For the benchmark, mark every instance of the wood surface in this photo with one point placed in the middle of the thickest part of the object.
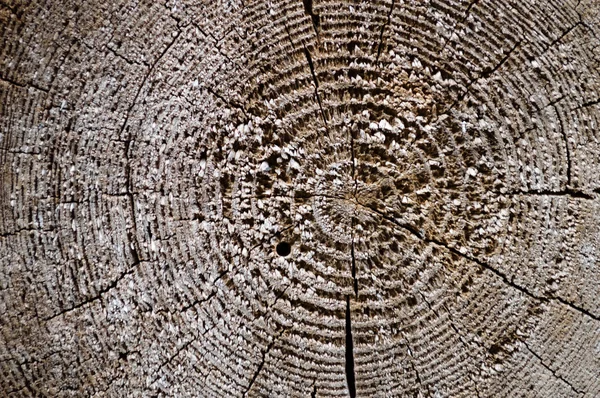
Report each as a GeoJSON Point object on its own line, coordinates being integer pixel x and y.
{"type": "Point", "coordinates": [432, 167]}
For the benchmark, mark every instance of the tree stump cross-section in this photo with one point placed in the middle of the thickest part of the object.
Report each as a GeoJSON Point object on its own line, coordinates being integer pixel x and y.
{"type": "Point", "coordinates": [300, 198]}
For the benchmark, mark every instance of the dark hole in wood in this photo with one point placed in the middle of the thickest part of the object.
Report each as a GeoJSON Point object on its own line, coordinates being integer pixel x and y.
{"type": "Point", "coordinates": [283, 249]}
{"type": "Point", "coordinates": [412, 301]}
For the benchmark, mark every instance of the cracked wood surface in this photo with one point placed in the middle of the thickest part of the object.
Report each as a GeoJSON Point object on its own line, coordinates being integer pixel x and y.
{"type": "Point", "coordinates": [433, 165]}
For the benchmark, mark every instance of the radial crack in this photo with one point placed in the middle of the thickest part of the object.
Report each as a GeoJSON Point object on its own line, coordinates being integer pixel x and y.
{"type": "Point", "coordinates": [172, 357]}
{"type": "Point", "coordinates": [261, 364]}
{"type": "Point", "coordinates": [98, 296]}
{"type": "Point", "coordinates": [586, 104]}
{"type": "Point", "coordinates": [484, 265]}
{"type": "Point", "coordinates": [200, 301]}
{"type": "Point", "coordinates": [544, 192]}
{"type": "Point", "coordinates": [559, 38]}
{"type": "Point", "coordinates": [512, 284]}
{"type": "Point", "coordinates": [471, 5]}
{"type": "Point", "coordinates": [485, 74]}
{"type": "Point", "coordinates": [559, 377]}
{"type": "Point", "coordinates": [231, 103]}
{"type": "Point", "coordinates": [23, 85]}
{"type": "Point", "coordinates": [414, 368]}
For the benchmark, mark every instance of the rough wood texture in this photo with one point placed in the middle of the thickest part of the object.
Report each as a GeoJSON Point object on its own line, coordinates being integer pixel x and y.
{"type": "Point", "coordinates": [433, 164]}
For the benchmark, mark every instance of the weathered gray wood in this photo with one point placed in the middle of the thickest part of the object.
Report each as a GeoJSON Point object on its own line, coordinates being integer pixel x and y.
{"type": "Point", "coordinates": [433, 164]}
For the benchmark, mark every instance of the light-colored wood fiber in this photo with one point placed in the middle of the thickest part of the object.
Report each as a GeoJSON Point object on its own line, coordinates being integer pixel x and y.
{"type": "Point", "coordinates": [433, 164]}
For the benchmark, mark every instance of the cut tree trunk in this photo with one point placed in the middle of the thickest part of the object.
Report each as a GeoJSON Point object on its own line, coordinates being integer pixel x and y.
{"type": "Point", "coordinates": [394, 198]}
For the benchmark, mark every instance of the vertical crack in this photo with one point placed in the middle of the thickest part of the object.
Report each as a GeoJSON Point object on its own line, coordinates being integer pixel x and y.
{"type": "Point", "coordinates": [567, 150]}
{"type": "Point", "coordinates": [349, 352]}
{"type": "Point", "coordinates": [354, 280]}
{"type": "Point", "coordinates": [389, 20]}
{"type": "Point", "coordinates": [314, 76]}
{"type": "Point", "coordinates": [352, 253]}
{"type": "Point", "coordinates": [315, 18]}
{"type": "Point", "coordinates": [312, 72]}
{"type": "Point", "coordinates": [132, 235]}
{"type": "Point", "coordinates": [471, 5]}
{"type": "Point", "coordinates": [353, 165]}
{"type": "Point", "coordinates": [26, 381]}
{"type": "Point", "coordinates": [458, 334]}
{"type": "Point", "coordinates": [414, 368]}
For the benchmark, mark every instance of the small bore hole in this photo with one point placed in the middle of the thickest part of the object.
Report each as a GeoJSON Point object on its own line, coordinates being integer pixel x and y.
{"type": "Point", "coordinates": [283, 249]}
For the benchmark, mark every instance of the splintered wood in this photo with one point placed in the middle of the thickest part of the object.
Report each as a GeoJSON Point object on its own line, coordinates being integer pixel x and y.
{"type": "Point", "coordinates": [387, 198]}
